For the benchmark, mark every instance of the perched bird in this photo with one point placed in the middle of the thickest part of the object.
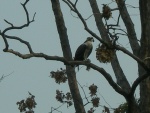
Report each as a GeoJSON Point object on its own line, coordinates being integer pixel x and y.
{"type": "Point", "coordinates": [84, 50]}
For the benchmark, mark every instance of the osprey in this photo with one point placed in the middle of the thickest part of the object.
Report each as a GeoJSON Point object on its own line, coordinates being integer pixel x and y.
{"type": "Point", "coordinates": [84, 50]}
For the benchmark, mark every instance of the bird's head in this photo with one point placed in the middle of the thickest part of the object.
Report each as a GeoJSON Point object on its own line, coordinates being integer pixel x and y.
{"type": "Point", "coordinates": [90, 39]}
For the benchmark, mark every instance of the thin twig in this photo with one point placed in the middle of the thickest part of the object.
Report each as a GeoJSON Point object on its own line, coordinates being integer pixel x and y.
{"type": "Point", "coordinates": [76, 2]}
{"type": "Point", "coordinates": [104, 99]}
{"type": "Point", "coordinates": [56, 109]}
{"type": "Point", "coordinates": [4, 76]}
{"type": "Point", "coordinates": [22, 41]}
{"type": "Point", "coordinates": [69, 5]}
{"type": "Point", "coordinates": [84, 93]}
{"type": "Point", "coordinates": [22, 26]}
{"type": "Point", "coordinates": [8, 22]}
{"type": "Point", "coordinates": [12, 27]}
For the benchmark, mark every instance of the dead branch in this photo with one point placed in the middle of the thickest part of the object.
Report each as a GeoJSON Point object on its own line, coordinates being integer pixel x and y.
{"type": "Point", "coordinates": [21, 40]}
{"type": "Point", "coordinates": [84, 94]}
{"type": "Point", "coordinates": [102, 41]}
{"type": "Point", "coordinates": [69, 3]}
{"type": "Point", "coordinates": [93, 66]}
{"type": "Point", "coordinates": [12, 27]}
{"type": "Point", "coordinates": [138, 81]}
{"type": "Point", "coordinates": [110, 26]}
{"type": "Point", "coordinates": [22, 26]}
{"type": "Point", "coordinates": [76, 2]}
{"type": "Point", "coordinates": [71, 8]}
{"type": "Point", "coordinates": [62, 59]}
{"type": "Point", "coordinates": [129, 26]}
{"type": "Point", "coordinates": [56, 109]}
{"type": "Point", "coordinates": [4, 76]}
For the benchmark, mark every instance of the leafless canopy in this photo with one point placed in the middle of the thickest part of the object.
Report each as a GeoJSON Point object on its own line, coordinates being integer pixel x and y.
{"type": "Point", "coordinates": [106, 34]}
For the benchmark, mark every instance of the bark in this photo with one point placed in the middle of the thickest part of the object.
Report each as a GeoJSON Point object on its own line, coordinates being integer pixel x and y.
{"type": "Point", "coordinates": [129, 26]}
{"type": "Point", "coordinates": [121, 79]}
{"type": "Point", "coordinates": [144, 53]}
{"type": "Point", "coordinates": [132, 105]}
{"type": "Point", "coordinates": [78, 103]}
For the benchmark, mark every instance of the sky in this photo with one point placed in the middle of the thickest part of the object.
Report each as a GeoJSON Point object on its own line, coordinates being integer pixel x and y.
{"type": "Point", "coordinates": [33, 74]}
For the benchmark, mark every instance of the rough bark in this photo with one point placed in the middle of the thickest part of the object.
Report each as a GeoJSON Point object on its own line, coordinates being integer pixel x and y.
{"type": "Point", "coordinates": [132, 105]}
{"type": "Point", "coordinates": [78, 104]}
{"type": "Point", "coordinates": [121, 79]}
{"type": "Point", "coordinates": [144, 54]}
{"type": "Point", "coordinates": [129, 26]}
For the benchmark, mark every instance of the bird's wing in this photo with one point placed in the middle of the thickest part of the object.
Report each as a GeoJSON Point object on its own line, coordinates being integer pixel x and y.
{"type": "Point", "coordinates": [90, 51]}
{"type": "Point", "coordinates": [79, 55]}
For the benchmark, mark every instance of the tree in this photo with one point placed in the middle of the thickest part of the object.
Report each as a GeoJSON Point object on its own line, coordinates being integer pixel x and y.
{"type": "Point", "coordinates": [109, 33]}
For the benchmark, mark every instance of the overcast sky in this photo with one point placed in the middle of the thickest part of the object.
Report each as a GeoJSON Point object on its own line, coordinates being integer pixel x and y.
{"type": "Point", "coordinates": [33, 74]}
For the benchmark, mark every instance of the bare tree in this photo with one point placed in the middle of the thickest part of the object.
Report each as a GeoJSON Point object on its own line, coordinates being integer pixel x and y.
{"type": "Point", "coordinates": [140, 50]}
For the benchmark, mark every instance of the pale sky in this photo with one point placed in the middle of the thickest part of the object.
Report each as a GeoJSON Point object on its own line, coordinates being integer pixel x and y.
{"type": "Point", "coordinates": [33, 74]}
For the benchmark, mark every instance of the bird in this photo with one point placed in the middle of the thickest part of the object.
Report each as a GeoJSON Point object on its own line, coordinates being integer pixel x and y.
{"type": "Point", "coordinates": [84, 50]}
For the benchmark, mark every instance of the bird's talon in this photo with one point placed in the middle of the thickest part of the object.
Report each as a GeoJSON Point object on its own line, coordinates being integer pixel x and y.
{"type": "Point", "coordinates": [88, 60]}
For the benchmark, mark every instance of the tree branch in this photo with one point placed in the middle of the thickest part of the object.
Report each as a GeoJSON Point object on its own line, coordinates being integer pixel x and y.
{"type": "Point", "coordinates": [137, 82]}
{"type": "Point", "coordinates": [84, 94]}
{"type": "Point", "coordinates": [22, 26]}
{"type": "Point", "coordinates": [26, 11]}
{"type": "Point", "coordinates": [101, 70]}
{"type": "Point", "coordinates": [17, 27]}
{"type": "Point", "coordinates": [72, 81]}
{"type": "Point", "coordinates": [134, 57]}
{"type": "Point", "coordinates": [5, 41]}
{"type": "Point", "coordinates": [8, 23]}
{"type": "Point", "coordinates": [72, 63]}
{"type": "Point", "coordinates": [72, 9]}
{"type": "Point", "coordinates": [22, 41]}
{"type": "Point", "coordinates": [3, 76]}
{"type": "Point", "coordinates": [121, 78]}
{"type": "Point", "coordinates": [56, 109]}
{"type": "Point", "coordinates": [76, 2]}
{"type": "Point", "coordinates": [38, 55]}
{"type": "Point", "coordinates": [104, 35]}
{"type": "Point", "coordinates": [129, 26]}
{"type": "Point", "coordinates": [84, 23]}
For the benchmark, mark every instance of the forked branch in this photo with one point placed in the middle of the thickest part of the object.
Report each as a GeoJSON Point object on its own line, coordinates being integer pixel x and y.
{"type": "Point", "coordinates": [12, 27]}
{"type": "Point", "coordinates": [20, 40]}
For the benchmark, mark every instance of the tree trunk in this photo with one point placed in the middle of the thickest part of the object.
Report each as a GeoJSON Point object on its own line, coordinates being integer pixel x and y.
{"type": "Point", "coordinates": [121, 78]}
{"type": "Point", "coordinates": [129, 26]}
{"type": "Point", "coordinates": [132, 105]}
{"type": "Point", "coordinates": [145, 54]}
{"type": "Point", "coordinates": [78, 103]}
